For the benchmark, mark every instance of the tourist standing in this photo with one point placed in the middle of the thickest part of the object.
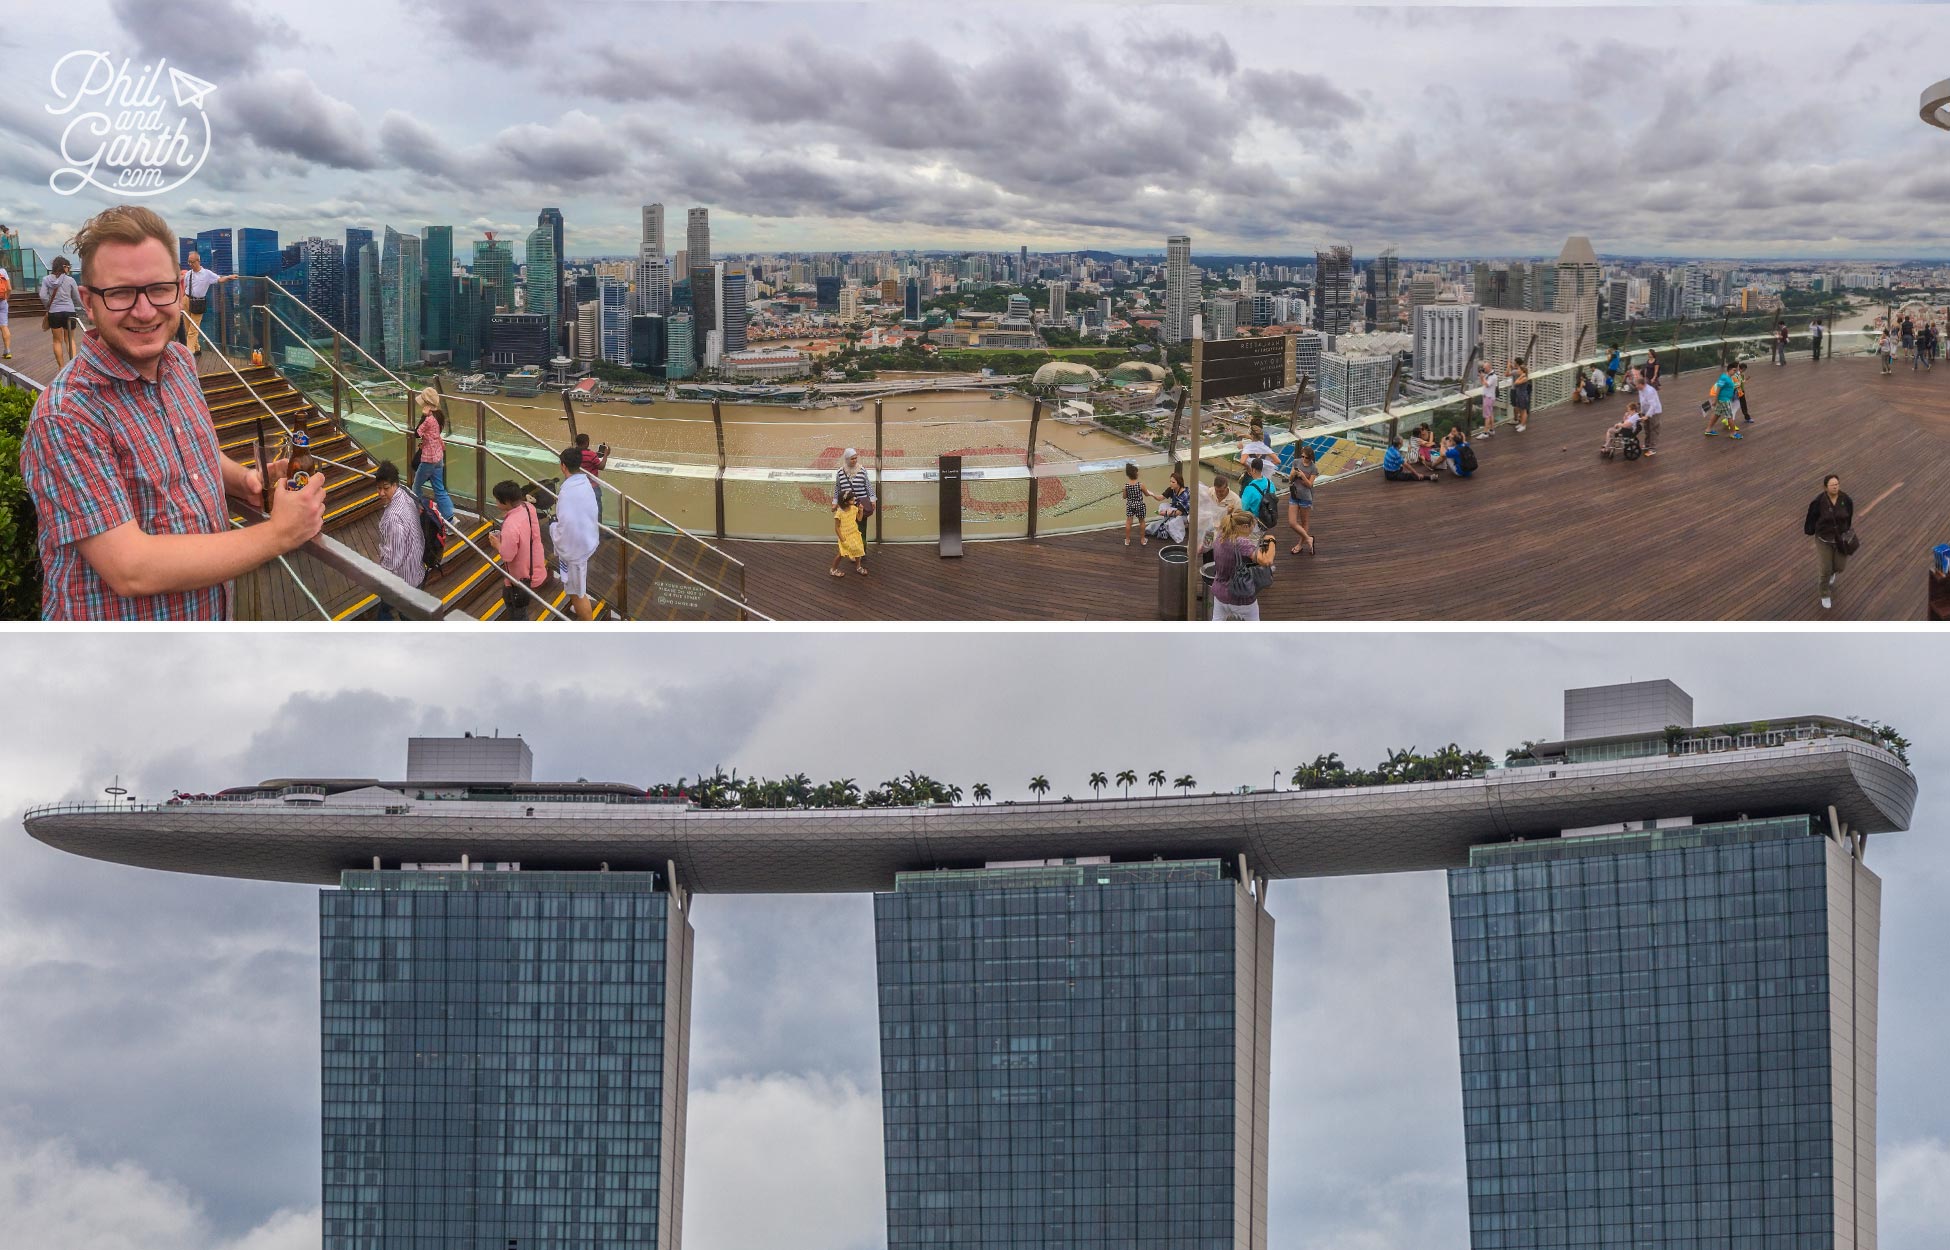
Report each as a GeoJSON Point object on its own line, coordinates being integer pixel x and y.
{"type": "Point", "coordinates": [1135, 493]}
{"type": "Point", "coordinates": [1814, 334]}
{"type": "Point", "coordinates": [1831, 521]}
{"type": "Point", "coordinates": [1886, 351]}
{"type": "Point", "coordinates": [1780, 342]}
{"type": "Point", "coordinates": [197, 284]}
{"type": "Point", "coordinates": [1611, 371]}
{"type": "Point", "coordinates": [1520, 395]}
{"type": "Point", "coordinates": [1213, 504]}
{"type": "Point", "coordinates": [1257, 496]}
{"type": "Point", "coordinates": [594, 459]}
{"type": "Point", "coordinates": [846, 528]}
{"type": "Point", "coordinates": [61, 294]}
{"type": "Point", "coordinates": [517, 543]}
{"type": "Point", "coordinates": [852, 478]}
{"type": "Point", "coordinates": [1909, 341]}
{"type": "Point", "coordinates": [1234, 546]}
{"type": "Point", "coordinates": [6, 297]}
{"type": "Point", "coordinates": [1649, 410]}
{"type": "Point", "coordinates": [1300, 495]}
{"type": "Point", "coordinates": [121, 458]}
{"type": "Point", "coordinates": [1490, 382]}
{"type": "Point", "coordinates": [430, 459]}
{"type": "Point", "coordinates": [577, 529]}
{"type": "Point", "coordinates": [1740, 391]}
{"type": "Point", "coordinates": [402, 549]}
{"type": "Point", "coordinates": [1652, 368]}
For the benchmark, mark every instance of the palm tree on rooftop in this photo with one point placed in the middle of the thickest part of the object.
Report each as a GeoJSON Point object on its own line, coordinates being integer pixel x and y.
{"type": "Point", "coordinates": [982, 792]}
{"type": "Point", "coordinates": [1127, 779]}
{"type": "Point", "coordinates": [1184, 783]}
{"type": "Point", "coordinates": [1039, 785]}
{"type": "Point", "coordinates": [1097, 783]}
{"type": "Point", "coordinates": [1157, 779]}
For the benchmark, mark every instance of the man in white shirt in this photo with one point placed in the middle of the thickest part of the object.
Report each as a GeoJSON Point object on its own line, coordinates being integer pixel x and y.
{"type": "Point", "coordinates": [1649, 410]}
{"type": "Point", "coordinates": [577, 530]}
{"type": "Point", "coordinates": [197, 283]}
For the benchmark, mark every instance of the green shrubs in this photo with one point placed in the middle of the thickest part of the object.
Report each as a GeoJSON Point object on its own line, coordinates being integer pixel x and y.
{"type": "Point", "coordinates": [20, 569]}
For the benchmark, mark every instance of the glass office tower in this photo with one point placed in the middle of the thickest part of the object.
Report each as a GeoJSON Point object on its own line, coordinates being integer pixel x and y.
{"type": "Point", "coordinates": [1075, 1055]}
{"type": "Point", "coordinates": [1668, 1039]}
{"type": "Point", "coordinates": [504, 1060]}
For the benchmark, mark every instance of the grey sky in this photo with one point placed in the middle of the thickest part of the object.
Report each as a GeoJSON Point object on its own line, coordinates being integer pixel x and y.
{"type": "Point", "coordinates": [1739, 131]}
{"type": "Point", "coordinates": [158, 1067]}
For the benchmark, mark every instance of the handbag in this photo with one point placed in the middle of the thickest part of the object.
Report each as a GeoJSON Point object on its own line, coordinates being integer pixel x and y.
{"type": "Point", "coordinates": [867, 509]}
{"type": "Point", "coordinates": [1846, 542]}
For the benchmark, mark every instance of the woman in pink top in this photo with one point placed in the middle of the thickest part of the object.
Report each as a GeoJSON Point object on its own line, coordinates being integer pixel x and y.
{"type": "Point", "coordinates": [518, 544]}
{"type": "Point", "coordinates": [430, 462]}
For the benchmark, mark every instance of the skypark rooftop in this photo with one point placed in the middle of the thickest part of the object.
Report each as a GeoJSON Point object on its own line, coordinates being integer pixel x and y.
{"type": "Point", "coordinates": [311, 832]}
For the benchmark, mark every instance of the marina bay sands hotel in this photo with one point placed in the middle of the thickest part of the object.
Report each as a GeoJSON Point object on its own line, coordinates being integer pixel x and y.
{"type": "Point", "coordinates": [1665, 944]}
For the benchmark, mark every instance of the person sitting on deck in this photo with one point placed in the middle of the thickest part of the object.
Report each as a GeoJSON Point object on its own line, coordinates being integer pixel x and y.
{"type": "Point", "coordinates": [1460, 456]}
{"type": "Point", "coordinates": [1398, 467]}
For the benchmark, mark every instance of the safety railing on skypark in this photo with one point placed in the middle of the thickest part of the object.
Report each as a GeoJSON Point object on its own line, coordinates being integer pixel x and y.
{"type": "Point", "coordinates": [24, 267]}
{"type": "Point", "coordinates": [695, 581]}
{"type": "Point", "coordinates": [766, 470]}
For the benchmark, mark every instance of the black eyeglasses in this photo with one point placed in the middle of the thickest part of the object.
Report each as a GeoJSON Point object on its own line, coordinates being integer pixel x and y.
{"type": "Point", "coordinates": [122, 298]}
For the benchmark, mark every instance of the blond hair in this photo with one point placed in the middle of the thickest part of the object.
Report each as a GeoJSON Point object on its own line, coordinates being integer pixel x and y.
{"type": "Point", "coordinates": [124, 223]}
{"type": "Point", "coordinates": [429, 398]}
{"type": "Point", "coordinates": [1235, 523]}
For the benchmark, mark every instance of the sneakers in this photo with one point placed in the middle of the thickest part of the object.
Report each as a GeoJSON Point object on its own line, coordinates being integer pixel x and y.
{"type": "Point", "coordinates": [1736, 434]}
{"type": "Point", "coordinates": [1712, 433]}
{"type": "Point", "coordinates": [1827, 602]}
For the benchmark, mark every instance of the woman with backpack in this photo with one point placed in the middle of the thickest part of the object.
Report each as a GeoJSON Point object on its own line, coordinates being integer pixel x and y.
{"type": "Point", "coordinates": [1831, 522]}
{"type": "Point", "coordinates": [1241, 568]}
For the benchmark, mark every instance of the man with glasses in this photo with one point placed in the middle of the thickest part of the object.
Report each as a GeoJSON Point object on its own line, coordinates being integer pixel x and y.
{"type": "Point", "coordinates": [121, 455]}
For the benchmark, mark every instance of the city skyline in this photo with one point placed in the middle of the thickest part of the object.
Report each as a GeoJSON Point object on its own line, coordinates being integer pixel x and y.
{"type": "Point", "coordinates": [811, 152]}
{"type": "Point", "coordinates": [784, 1111]}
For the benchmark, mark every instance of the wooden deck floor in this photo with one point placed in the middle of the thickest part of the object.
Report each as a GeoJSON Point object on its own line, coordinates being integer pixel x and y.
{"type": "Point", "coordinates": [1710, 529]}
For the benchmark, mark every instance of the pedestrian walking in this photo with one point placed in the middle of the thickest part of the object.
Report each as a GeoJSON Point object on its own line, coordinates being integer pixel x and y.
{"type": "Point", "coordinates": [846, 529]}
{"type": "Point", "coordinates": [1831, 522]}
{"type": "Point", "coordinates": [517, 543]}
{"type": "Point", "coordinates": [853, 479]}
{"type": "Point", "coordinates": [402, 548]}
{"type": "Point", "coordinates": [61, 295]}
{"type": "Point", "coordinates": [577, 530]}
{"type": "Point", "coordinates": [1740, 391]}
{"type": "Point", "coordinates": [1886, 351]}
{"type": "Point", "coordinates": [430, 457]}
{"type": "Point", "coordinates": [1718, 405]}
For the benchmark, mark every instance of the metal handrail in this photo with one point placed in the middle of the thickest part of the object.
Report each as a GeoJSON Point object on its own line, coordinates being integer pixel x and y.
{"type": "Point", "coordinates": [511, 466]}
{"type": "Point", "coordinates": [354, 565]}
{"type": "Point", "coordinates": [532, 437]}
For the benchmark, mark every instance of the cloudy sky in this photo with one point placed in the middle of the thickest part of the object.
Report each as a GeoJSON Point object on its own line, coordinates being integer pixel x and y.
{"type": "Point", "coordinates": [159, 1057]}
{"type": "Point", "coordinates": [1786, 130]}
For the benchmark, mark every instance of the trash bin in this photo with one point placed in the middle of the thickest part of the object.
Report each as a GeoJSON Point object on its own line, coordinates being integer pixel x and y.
{"type": "Point", "coordinates": [1171, 582]}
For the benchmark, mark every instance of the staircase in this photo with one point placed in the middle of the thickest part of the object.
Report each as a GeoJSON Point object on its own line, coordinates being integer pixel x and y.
{"type": "Point", "coordinates": [242, 407]}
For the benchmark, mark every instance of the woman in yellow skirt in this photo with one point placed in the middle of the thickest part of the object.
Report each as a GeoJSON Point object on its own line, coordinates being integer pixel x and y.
{"type": "Point", "coordinates": [846, 524]}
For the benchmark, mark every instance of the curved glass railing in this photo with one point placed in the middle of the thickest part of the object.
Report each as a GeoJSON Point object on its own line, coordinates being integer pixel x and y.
{"type": "Point", "coordinates": [757, 470]}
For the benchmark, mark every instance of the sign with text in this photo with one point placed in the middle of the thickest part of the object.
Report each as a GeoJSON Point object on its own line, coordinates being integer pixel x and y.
{"type": "Point", "coordinates": [1229, 367]}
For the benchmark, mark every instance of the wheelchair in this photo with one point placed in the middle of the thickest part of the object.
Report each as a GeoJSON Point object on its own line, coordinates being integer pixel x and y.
{"type": "Point", "coordinates": [1624, 445]}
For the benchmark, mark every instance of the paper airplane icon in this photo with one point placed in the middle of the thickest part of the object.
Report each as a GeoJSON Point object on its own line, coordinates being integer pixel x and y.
{"type": "Point", "coordinates": [190, 89]}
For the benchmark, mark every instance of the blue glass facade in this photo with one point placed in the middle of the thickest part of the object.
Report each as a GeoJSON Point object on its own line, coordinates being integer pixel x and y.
{"type": "Point", "coordinates": [213, 248]}
{"type": "Point", "coordinates": [1659, 1040]}
{"type": "Point", "coordinates": [257, 251]}
{"type": "Point", "coordinates": [503, 1060]}
{"type": "Point", "coordinates": [351, 314]}
{"type": "Point", "coordinates": [1074, 1057]}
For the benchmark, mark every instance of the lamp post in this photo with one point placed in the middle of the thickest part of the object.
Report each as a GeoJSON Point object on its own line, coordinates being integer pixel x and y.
{"type": "Point", "coordinates": [1277, 774]}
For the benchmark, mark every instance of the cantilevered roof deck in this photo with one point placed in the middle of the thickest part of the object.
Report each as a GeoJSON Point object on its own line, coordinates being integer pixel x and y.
{"type": "Point", "coordinates": [1401, 828]}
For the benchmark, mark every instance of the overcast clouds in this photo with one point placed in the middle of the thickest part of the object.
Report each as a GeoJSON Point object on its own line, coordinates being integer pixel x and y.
{"type": "Point", "coordinates": [1787, 130]}
{"type": "Point", "coordinates": [158, 1067]}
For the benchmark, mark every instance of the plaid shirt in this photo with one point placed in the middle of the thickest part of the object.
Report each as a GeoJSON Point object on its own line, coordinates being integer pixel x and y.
{"type": "Point", "coordinates": [106, 447]}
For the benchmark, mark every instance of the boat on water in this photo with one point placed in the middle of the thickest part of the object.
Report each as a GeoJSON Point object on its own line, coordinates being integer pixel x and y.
{"type": "Point", "coordinates": [910, 407]}
{"type": "Point", "coordinates": [639, 399]}
{"type": "Point", "coordinates": [854, 407]}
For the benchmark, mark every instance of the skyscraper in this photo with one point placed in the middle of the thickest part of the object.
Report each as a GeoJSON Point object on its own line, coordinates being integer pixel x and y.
{"type": "Point", "coordinates": [1058, 299]}
{"type": "Point", "coordinates": [652, 294]}
{"type": "Point", "coordinates": [1334, 290]}
{"type": "Point", "coordinates": [734, 290]}
{"type": "Point", "coordinates": [1445, 334]}
{"type": "Point", "coordinates": [349, 322]}
{"type": "Point", "coordinates": [487, 1078]}
{"type": "Point", "coordinates": [494, 264]}
{"type": "Point", "coordinates": [653, 230]}
{"type": "Point", "coordinates": [213, 248]}
{"type": "Point", "coordinates": [543, 281]}
{"type": "Point", "coordinates": [550, 219]}
{"type": "Point", "coordinates": [649, 342]}
{"type": "Point", "coordinates": [1507, 335]}
{"type": "Point", "coordinates": [324, 263]}
{"type": "Point", "coordinates": [372, 323]}
{"type": "Point", "coordinates": [1384, 290]}
{"type": "Point", "coordinates": [471, 312]}
{"type": "Point", "coordinates": [613, 298]}
{"type": "Point", "coordinates": [400, 275]}
{"type": "Point", "coordinates": [682, 360]}
{"type": "Point", "coordinates": [257, 251]}
{"type": "Point", "coordinates": [1180, 297]}
{"type": "Point", "coordinates": [911, 297]}
{"type": "Point", "coordinates": [827, 287]}
{"type": "Point", "coordinates": [437, 288]}
{"type": "Point", "coordinates": [704, 308]}
{"type": "Point", "coordinates": [1075, 1054]}
{"type": "Point", "coordinates": [1578, 278]}
{"type": "Point", "coordinates": [697, 238]}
